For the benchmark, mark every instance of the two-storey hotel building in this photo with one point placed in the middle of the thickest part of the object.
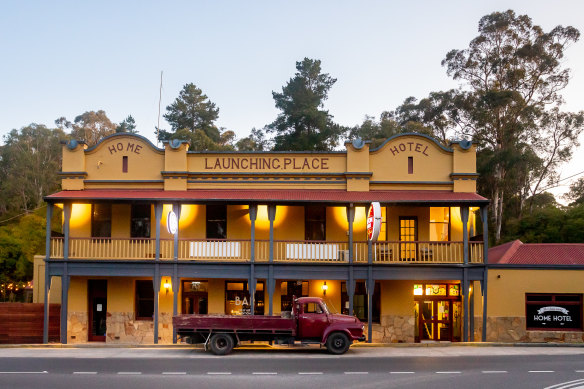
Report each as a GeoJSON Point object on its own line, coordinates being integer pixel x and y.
{"type": "Point", "coordinates": [152, 232]}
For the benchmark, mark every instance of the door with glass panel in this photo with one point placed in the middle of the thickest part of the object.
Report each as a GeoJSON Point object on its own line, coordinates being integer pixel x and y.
{"type": "Point", "coordinates": [195, 297]}
{"type": "Point", "coordinates": [437, 310]}
{"type": "Point", "coordinates": [408, 232]}
{"type": "Point", "coordinates": [97, 302]}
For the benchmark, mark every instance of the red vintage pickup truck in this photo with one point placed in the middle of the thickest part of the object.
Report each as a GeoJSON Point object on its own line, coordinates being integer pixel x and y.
{"type": "Point", "coordinates": [309, 322]}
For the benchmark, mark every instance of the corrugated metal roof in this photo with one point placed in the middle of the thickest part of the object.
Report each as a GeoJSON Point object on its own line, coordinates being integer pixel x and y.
{"type": "Point", "coordinates": [519, 253]}
{"type": "Point", "coordinates": [258, 195]}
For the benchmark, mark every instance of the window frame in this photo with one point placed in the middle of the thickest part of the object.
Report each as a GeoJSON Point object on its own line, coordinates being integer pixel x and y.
{"type": "Point", "coordinates": [212, 222]}
{"type": "Point", "coordinates": [553, 301]}
{"type": "Point", "coordinates": [360, 285]}
{"type": "Point", "coordinates": [94, 222]}
{"type": "Point", "coordinates": [138, 299]}
{"type": "Point", "coordinates": [310, 220]}
{"type": "Point", "coordinates": [133, 218]}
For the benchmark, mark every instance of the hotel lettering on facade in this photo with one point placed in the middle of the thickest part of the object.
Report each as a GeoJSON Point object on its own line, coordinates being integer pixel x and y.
{"type": "Point", "coordinates": [253, 229]}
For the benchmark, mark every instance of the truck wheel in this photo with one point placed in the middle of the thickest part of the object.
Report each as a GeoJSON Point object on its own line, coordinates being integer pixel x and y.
{"type": "Point", "coordinates": [221, 344]}
{"type": "Point", "coordinates": [337, 343]}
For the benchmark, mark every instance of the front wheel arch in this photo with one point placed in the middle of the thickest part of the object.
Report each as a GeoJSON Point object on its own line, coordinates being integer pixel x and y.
{"type": "Point", "coordinates": [338, 343]}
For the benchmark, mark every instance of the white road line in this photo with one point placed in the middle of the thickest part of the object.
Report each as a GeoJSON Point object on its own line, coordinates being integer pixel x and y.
{"type": "Point", "coordinates": [447, 372]}
{"type": "Point", "coordinates": [356, 372]}
{"type": "Point", "coordinates": [494, 371]}
{"type": "Point", "coordinates": [129, 372]}
{"type": "Point", "coordinates": [219, 373]}
{"type": "Point", "coordinates": [310, 372]}
{"type": "Point", "coordinates": [264, 373]}
{"type": "Point", "coordinates": [174, 373]}
{"type": "Point", "coordinates": [24, 372]}
{"type": "Point", "coordinates": [541, 371]}
{"type": "Point", "coordinates": [84, 372]}
{"type": "Point", "coordinates": [565, 385]}
{"type": "Point", "coordinates": [579, 371]}
{"type": "Point", "coordinates": [401, 372]}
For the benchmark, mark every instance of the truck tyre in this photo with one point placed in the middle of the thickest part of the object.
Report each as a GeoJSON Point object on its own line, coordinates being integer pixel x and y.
{"type": "Point", "coordinates": [338, 343]}
{"type": "Point", "coordinates": [221, 344]}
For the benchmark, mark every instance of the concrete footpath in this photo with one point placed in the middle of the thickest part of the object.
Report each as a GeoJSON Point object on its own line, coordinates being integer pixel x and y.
{"type": "Point", "coordinates": [364, 350]}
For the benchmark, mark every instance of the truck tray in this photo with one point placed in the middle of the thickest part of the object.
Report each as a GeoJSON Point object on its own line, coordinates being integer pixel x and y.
{"type": "Point", "coordinates": [255, 323]}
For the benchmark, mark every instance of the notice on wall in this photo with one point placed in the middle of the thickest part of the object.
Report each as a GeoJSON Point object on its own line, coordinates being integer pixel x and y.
{"type": "Point", "coordinates": [99, 308]}
{"type": "Point", "coordinates": [553, 317]}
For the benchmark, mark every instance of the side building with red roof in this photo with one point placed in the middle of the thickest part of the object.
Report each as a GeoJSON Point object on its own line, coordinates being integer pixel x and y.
{"type": "Point", "coordinates": [535, 292]}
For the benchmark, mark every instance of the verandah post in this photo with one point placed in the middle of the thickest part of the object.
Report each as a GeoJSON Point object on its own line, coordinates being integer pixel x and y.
{"type": "Point", "coordinates": [271, 280]}
{"type": "Point", "coordinates": [351, 280]}
{"type": "Point", "coordinates": [47, 273]}
{"type": "Point", "coordinates": [253, 211]}
{"type": "Point", "coordinates": [156, 278]}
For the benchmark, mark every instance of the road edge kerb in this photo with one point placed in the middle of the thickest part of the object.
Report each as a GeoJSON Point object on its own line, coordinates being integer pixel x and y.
{"type": "Point", "coordinates": [356, 345]}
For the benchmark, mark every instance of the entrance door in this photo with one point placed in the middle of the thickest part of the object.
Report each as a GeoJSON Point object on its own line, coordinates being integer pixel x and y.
{"type": "Point", "coordinates": [195, 302]}
{"type": "Point", "coordinates": [435, 320]}
{"type": "Point", "coordinates": [97, 304]}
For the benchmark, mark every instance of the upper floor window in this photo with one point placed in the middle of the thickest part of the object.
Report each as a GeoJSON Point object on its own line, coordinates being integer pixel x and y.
{"type": "Point", "coordinates": [315, 223]}
{"type": "Point", "coordinates": [216, 222]}
{"type": "Point", "coordinates": [439, 224]}
{"type": "Point", "coordinates": [101, 220]}
{"type": "Point", "coordinates": [140, 221]}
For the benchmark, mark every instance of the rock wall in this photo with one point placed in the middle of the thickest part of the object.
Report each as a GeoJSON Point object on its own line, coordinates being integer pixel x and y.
{"type": "Point", "coordinates": [393, 329]}
{"type": "Point", "coordinates": [512, 330]}
{"type": "Point", "coordinates": [123, 328]}
{"type": "Point", "coordinates": [77, 327]}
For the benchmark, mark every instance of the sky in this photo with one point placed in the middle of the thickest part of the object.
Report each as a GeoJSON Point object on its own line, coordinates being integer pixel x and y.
{"type": "Point", "coordinates": [63, 58]}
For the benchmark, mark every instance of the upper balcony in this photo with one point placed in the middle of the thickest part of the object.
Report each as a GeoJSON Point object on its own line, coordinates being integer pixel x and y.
{"type": "Point", "coordinates": [222, 233]}
{"type": "Point", "coordinates": [383, 252]}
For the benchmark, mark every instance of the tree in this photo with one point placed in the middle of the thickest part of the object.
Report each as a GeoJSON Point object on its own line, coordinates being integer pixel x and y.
{"type": "Point", "coordinates": [30, 160]}
{"type": "Point", "coordinates": [90, 126]}
{"type": "Point", "coordinates": [127, 125]}
{"type": "Point", "coordinates": [256, 141]}
{"type": "Point", "coordinates": [576, 192]}
{"type": "Point", "coordinates": [302, 123]}
{"type": "Point", "coordinates": [510, 73]}
{"type": "Point", "coordinates": [376, 131]}
{"type": "Point", "coordinates": [192, 110]}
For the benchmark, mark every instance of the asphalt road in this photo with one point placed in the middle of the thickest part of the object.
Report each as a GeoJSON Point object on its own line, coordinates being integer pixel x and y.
{"type": "Point", "coordinates": [451, 367]}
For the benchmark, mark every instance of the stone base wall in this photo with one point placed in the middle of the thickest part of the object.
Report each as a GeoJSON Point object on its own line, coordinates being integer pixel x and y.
{"type": "Point", "coordinates": [122, 327]}
{"type": "Point", "coordinates": [77, 327]}
{"type": "Point", "coordinates": [512, 330]}
{"type": "Point", "coordinates": [393, 329]}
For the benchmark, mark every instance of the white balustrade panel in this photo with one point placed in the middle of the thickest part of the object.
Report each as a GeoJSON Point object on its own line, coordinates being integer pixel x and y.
{"type": "Point", "coordinates": [215, 249]}
{"type": "Point", "coordinates": [312, 251]}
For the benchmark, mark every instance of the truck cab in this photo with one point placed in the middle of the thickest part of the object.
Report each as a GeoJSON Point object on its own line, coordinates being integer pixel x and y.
{"type": "Point", "coordinates": [317, 323]}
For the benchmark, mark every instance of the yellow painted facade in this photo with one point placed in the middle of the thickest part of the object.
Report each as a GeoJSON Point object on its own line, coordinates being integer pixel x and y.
{"type": "Point", "coordinates": [409, 163]}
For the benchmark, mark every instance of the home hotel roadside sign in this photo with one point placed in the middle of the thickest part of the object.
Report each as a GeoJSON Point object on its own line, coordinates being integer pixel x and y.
{"type": "Point", "coordinates": [553, 317]}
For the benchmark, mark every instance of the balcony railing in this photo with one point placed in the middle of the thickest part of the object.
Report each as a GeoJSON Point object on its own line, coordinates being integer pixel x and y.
{"type": "Point", "coordinates": [284, 250]}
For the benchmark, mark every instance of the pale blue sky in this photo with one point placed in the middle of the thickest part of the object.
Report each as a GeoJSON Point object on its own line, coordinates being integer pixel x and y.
{"type": "Point", "coordinates": [62, 58]}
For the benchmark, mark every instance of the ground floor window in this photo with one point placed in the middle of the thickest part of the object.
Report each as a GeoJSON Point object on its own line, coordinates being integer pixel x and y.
{"type": "Point", "coordinates": [144, 300]}
{"type": "Point", "coordinates": [237, 301]}
{"type": "Point", "coordinates": [288, 289]}
{"type": "Point", "coordinates": [360, 301]}
{"type": "Point", "coordinates": [195, 297]}
{"type": "Point", "coordinates": [553, 312]}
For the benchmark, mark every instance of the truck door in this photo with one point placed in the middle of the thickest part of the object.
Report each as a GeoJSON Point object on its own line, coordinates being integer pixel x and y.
{"type": "Point", "coordinates": [312, 321]}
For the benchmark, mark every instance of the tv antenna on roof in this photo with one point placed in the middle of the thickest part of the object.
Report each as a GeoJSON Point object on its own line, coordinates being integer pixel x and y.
{"type": "Point", "coordinates": [159, 100]}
